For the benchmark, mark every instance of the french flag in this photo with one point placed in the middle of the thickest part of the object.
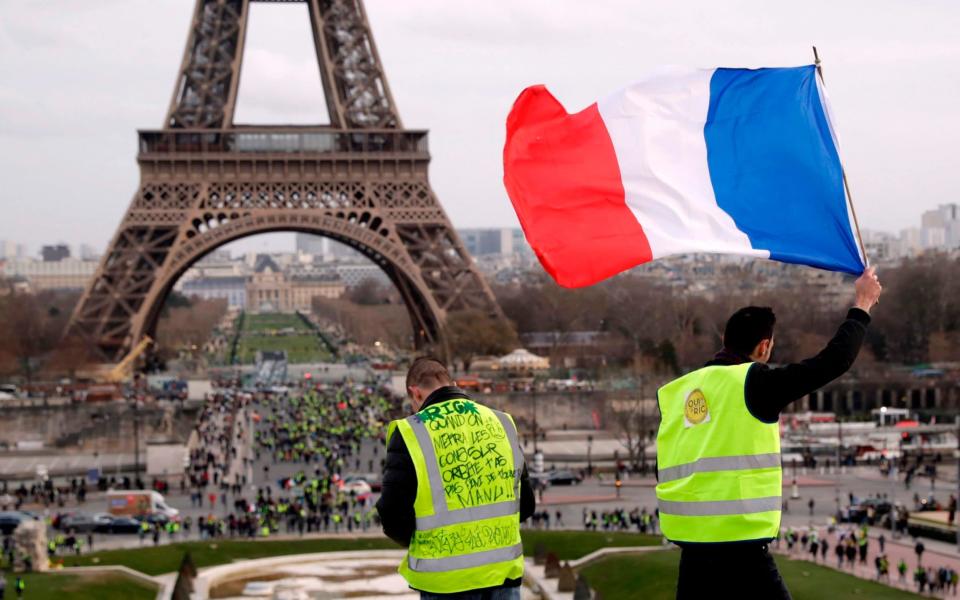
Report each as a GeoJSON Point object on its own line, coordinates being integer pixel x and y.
{"type": "Point", "coordinates": [735, 161]}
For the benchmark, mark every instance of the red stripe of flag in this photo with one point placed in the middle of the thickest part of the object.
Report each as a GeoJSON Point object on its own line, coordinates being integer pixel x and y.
{"type": "Point", "coordinates": [562, 175]}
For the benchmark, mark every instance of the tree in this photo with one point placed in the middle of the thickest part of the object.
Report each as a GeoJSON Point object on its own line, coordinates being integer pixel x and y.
{"type": "Point", "coordinates": [473, 333]}
{"type": "Point", "coordinates": [70, 355]}
{"type": "Point", "coordinates": [369, 292]}
{"type": "Point", "coordinates": [632, 419]}
{"type": "Point", "coordinates": [387, 323]}
{"type": "Point", "coordinates": [31, 326]}
{"type": "Point", "coordinates": [921, 298]}
{"type": "Point", "coordinates": [188, 327]}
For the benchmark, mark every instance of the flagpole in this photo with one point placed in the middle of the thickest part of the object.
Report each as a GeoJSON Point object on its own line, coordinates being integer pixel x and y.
{"type": "Point", "coordinates": [843, 173]}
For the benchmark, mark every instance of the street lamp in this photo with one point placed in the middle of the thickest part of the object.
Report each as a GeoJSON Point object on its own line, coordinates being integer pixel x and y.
{"type": "Point", "coordinates": [136, 438]}
{"type": "Point", "coordinates": [534, 392]}
{"type": "Point", "coordinates": [589, 455]}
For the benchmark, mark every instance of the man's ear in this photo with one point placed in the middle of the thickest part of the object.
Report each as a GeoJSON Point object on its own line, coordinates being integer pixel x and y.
{"type": "Point", "coordinates": [767, 345]}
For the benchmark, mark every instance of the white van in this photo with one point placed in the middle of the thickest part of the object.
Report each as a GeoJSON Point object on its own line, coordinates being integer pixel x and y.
{"type": "Point", "coordinates": [138, 503]}
{"type": "Point", "coordinates": [9, 391]}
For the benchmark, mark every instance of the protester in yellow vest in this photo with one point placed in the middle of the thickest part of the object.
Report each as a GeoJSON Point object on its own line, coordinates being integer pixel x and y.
{"type": "Point", "coordinates": [718, 450]}
{"type": "Point", "coordinates": [455, 489]}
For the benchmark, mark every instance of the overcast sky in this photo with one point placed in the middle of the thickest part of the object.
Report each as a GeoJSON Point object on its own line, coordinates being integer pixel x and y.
{"type": "Point", "coordinates": [78, 78]}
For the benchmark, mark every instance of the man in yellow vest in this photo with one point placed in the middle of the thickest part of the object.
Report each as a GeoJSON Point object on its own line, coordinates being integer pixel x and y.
{"type": "Point", "coordinates": [455, 489]}
{"type": "Point", "coordinates": [718, 450]}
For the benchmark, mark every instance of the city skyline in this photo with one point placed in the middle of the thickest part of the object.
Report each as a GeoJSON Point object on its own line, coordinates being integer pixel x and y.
{"type": "Point", "coordinates": [912, 236]}
{"type": "Point", "coordinates": [81, 79]}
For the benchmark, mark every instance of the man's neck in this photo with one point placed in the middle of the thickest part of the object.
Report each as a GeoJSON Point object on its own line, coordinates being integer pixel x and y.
{"type": "Point", "coordinates": [442, 394]}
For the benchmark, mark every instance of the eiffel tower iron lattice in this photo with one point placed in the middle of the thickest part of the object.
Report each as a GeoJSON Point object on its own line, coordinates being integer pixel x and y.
{"type": "Point", "coordinates": [205, 181]}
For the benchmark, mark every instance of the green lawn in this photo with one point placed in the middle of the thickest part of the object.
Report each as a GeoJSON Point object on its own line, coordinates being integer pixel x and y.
{"type": "Point", "coordinates": [154, 560]}
{"type": "Point", "coordinates": [71, 585]}
{"type": "Point", "coordinates": [303, 348]}
{"type": "Point", "coordinates": [568, 545]}
{"type": "Point", "coordinates": [267, 321]}
{"type": "Point", "coordinates": [655, 575]}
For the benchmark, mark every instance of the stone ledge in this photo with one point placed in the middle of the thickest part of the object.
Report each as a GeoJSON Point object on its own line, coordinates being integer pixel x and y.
{"type": "Point", "coordinates": [162, 583]}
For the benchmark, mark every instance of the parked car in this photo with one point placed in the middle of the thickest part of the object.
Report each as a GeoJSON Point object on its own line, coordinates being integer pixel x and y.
{"type": "Point", "coordinates": [356, 486]}
{"type": "Point", "coordinates": [119, 525]}
{"type": "Point", "coordinates": [557, 477]}
{"type": "Point", "coordinates": [372, 479]}
{"type": "Point", "coordinates": [156, 519]}
{"type": "Point", "coordinates": [862, 511]}
{"type": "Point", "coordinates": [929, 503]}
{"type": "Point", "coordinates": [564, 477]}
{"type": "Point", "coordinates": [78, 522]}
{"type": "Point", "coordinates": [11, 520]}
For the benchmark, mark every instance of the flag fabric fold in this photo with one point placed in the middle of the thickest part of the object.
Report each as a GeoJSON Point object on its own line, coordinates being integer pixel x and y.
{"type": "Point", "coordinates": [732, 161]}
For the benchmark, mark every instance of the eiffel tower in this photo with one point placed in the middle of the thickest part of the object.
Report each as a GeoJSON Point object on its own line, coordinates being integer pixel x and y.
{"type": "Point", "coordinates": [205, 181]}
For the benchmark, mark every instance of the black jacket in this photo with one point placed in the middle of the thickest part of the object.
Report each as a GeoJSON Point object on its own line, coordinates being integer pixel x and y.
{"type": "Point", "coordinates": [768, 390]}
{"type": "Point", "coordinates": [395, 505]}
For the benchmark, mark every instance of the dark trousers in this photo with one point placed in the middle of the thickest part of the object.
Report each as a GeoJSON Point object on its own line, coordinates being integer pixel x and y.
{"type": "Point", "coordinates": [729, 571]}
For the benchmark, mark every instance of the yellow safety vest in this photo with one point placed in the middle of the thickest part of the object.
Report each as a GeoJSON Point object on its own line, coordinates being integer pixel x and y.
{"type": "Point", "coordinates": [468, 463]}
{"type": "Point", "coordinates": [718, 466]}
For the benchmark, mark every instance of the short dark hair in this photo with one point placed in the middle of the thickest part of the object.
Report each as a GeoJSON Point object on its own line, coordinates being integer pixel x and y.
{"type": "Point", "coordinates": [427, 371]}
{"type": "Point", "coordinates": [747, 327]}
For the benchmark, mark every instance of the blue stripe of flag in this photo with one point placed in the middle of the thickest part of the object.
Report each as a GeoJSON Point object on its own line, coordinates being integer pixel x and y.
{"type": "Point", "coordinates": [775, 168]}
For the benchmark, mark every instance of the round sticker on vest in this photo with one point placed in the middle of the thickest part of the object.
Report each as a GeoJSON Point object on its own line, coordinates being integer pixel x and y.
{"type": "Point", "coordinates": [695, 409]}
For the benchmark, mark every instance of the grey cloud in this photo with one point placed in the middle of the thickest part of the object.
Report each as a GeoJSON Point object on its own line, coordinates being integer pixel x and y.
{"type": "Point", "coordinates": [77, 80]}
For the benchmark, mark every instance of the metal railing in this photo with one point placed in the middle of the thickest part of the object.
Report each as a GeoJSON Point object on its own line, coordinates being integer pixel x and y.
{"type": "Point", "coordinates": [282, 141]}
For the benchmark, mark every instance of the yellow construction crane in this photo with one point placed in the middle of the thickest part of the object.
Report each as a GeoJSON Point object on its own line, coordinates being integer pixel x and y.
{"type": "Point", "coordinates": [122, 371]}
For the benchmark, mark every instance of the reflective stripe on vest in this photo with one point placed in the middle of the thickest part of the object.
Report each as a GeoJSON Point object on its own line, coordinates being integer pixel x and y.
{"type": "Point", "coordinates": [720, 507]}
{"type": "Point", "coordinates": [719, 463]}
{"type": "Point", "coordinates": [719, 467]}
{"type": "Point", "coordinates": [465, 561]}
{"type": "Point", "coordinates": [442, 515]}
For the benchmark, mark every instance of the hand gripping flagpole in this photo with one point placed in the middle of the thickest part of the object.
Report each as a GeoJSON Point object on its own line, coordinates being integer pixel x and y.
{"type": "Point", "coordinates": [843, 172]}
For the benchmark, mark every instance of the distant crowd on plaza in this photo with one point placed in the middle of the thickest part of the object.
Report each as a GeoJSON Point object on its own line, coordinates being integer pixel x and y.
{"type": "Point", "coordinates": [317, 428]}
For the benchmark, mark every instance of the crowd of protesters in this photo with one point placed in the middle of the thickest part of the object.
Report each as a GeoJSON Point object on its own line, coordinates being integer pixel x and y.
{"type": "Point", "coordinates": [851, 548]}
{"type": "Point", "coordinates": [316, 428]}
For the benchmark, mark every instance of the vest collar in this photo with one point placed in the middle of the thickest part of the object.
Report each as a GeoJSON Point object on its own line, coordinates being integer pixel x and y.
{"type": "Point", "coordinates": [447, 392]}
{"type": "Point", "coordinates": [727, 358]}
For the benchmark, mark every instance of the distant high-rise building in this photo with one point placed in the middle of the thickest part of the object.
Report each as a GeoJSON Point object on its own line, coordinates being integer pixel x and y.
{"type": "Point", "coordinates": [88, 252]}
{"type": "Point", "coordinates": [343, 252]}
{"type": "Point", "coordinates": [11, 249]}
{"type": "Point", "coordinates": [941, 226]}
{"type": "Point", "coordinates": [55, 252]}
{"type": "Point", "coordinates": [881, 246]}
{"type": "Point", "coordinates": [311, 244]}
{"type": "Point", "coordinates": [505, 241]}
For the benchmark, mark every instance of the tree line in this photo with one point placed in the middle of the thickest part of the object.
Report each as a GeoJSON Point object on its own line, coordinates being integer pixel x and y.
{"type": "Point", "coordinates": [669, 328]}
{"type": "Point", "coordinates": [644, 321]}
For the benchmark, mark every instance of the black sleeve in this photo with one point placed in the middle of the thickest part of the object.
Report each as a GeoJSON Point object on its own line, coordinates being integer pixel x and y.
{"type": "Point", "coordinates": [769, 390]}
{"type": "Point", "coordinates": [395, 505]}
{"type": "Point", "coordinates": [528, 502]}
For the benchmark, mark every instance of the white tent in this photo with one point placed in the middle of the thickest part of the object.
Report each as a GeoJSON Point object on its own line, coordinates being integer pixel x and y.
{"type": "Point", "coordinates": [523, 360]}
